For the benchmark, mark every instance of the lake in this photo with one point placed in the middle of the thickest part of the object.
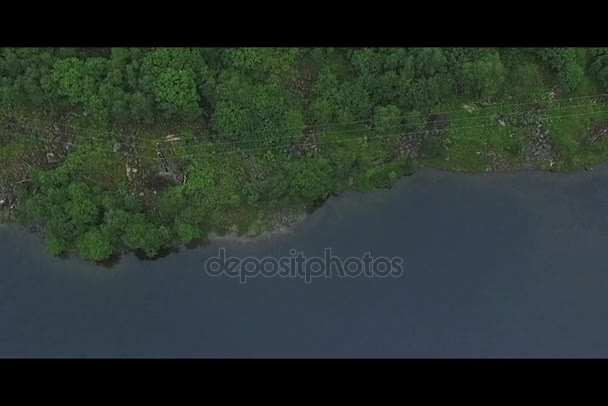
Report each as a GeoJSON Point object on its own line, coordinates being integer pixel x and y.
{"type": "Point", "coordinates": [495, 265]}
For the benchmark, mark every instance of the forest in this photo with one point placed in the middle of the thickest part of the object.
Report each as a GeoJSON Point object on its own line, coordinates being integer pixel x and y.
{"type": "Point", "coordinates": [110, 150]}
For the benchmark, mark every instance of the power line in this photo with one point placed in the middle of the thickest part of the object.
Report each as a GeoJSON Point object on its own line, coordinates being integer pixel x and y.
{"type": "Point", "coordinates": [218, 144]}
{"type": "Point", "coordinates": [446, 121]}
{"type": "Point", "coordinates": [380, 136]}
{"type": "Point", "coordinates": [418, 114]}
{"type": "Point", "coordinates": [372, 137]}
{"type": "Point", "coordinates": [349, 122]}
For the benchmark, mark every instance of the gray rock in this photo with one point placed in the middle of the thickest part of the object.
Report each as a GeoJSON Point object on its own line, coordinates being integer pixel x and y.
{"type": "Point", "coordinates": [50, 158]}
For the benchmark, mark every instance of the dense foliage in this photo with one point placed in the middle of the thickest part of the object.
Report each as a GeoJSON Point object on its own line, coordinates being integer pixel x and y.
{"type": "Point", "coordinates": [136, 148]}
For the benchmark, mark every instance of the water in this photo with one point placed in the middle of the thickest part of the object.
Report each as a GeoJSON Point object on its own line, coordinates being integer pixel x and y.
{"type": "Point", "coordinates": [495, 266]}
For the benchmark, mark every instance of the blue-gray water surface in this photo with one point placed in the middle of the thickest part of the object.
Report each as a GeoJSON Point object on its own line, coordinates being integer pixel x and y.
{"type": "Point", "coordinates": [496, 265]}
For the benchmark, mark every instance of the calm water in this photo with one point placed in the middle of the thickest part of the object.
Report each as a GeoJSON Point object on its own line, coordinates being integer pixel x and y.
{"type": "Point", "coordinates": [496, 266]}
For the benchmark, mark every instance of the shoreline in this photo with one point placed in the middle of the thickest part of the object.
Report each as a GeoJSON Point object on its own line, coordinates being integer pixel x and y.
{"type": "Point", "coordinates": [283, 222]}
{"type": "Point", "coordinates": [285, 227]}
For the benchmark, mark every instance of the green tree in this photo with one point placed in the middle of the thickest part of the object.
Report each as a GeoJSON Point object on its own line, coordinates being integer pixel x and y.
{"type": "Point", "coordinates": [483, 78]}
{"type": "Point", "coordinates": [187, 231]}
{"type": "Point", "coordinates": [141, 234]}
{"type": "Point", "coordinates": [305, 179]}
{"type": "Point", "coordinates": [79, 80]}
{"type": "Point", "coordinates": [599, 68]}
{"type": "Point", "coordinates": [56, 246]}
{"type": "Point", "coordinates": [264, 64]}
{"type": "Point", "coordinates": [570, 76]}
{"type": "Point", "coordinates": [176, 77]}
{"type": "Point", "coordinates": [256, 112]}
{"type": "Point", "coordinates": [568, 64]}
{"type": "Point", "coordinates": [176, 92]}
{"type": "Point", "coordinates": [95, 245]}
{"type": "Point", "coordinates": [387, 119]}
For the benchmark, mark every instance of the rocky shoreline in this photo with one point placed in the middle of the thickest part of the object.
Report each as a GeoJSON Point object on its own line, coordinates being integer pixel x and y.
{"type": "Point", "coordinates": [265, 227]}
{"type": "Point", "coordinates": [8, 203]}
